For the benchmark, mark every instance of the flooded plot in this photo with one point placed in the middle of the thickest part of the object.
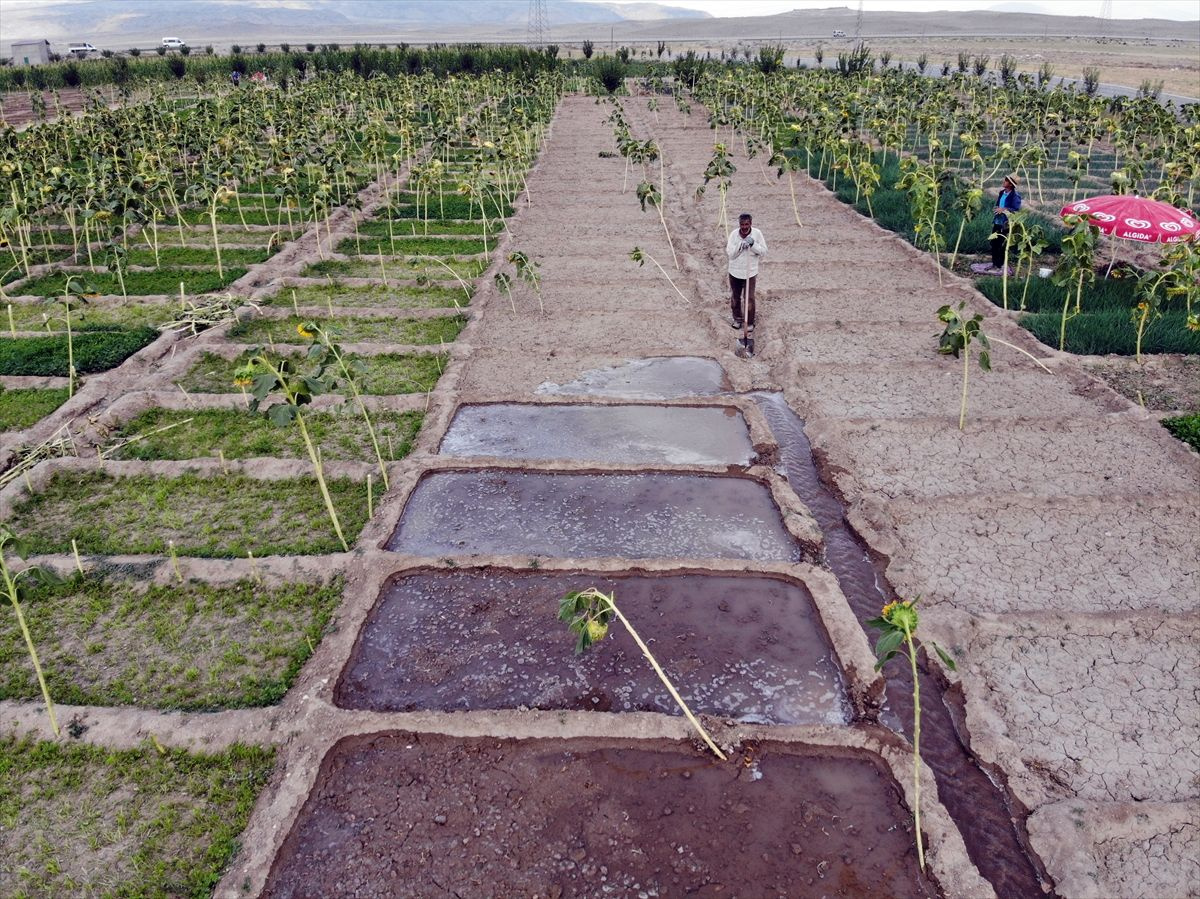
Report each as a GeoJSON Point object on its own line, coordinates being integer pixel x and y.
{"type": "Point", "coordinates": [646, 434]}
{"type": "Point", "coordinates": [422, 815]}
{"type": "Point", "coordinates": [659, 378]}
{"type": "Point", "coordinates": [634, 516]}
{"type": "Point", "coordinates": [750, 648]}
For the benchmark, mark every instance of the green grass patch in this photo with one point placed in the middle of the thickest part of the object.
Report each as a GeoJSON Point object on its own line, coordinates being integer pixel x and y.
{"type": "Point", "coordinates": [164, 281]}
{"type": "Point", "coordinates": [339, 295]}
{"type": "Point", "coordinates": [95, 351]}
{"type": "Point", "coordinates": [193, 646]}
{"type": "Point", "coordinates": [1186, 428]}
{"type": "Point", "coordinates": [400, 269]}
{"type": "Point", "coordinates": [417, 228]}
{"type": "Point", "coordinates": [22, 407]}
{"type": "Point", "coordinates": [450, 206]}
{"type": "Point", "coordinates": [251, 214]}
{"type": "Point", "coordinates": [352, 330]}
{"type": "Point", "coordinates": [223, 516]}
{"type": "Point", "coordinates": [82, 820]}
{"type": "Point", "coordinates": [409, 246]}
{"type": "Point", "coordinates": [1113, 331]}
{"type": "Point", "coordinates": [232, 255]}
{"type": "Point", "coordinates": [387, 374]}
{"type": "Point", "coordinates": [109, 316]}
{"type": "Point", "coordinates": [1044, 296]}
{"type": "Point", "coordinates": [239, 434]}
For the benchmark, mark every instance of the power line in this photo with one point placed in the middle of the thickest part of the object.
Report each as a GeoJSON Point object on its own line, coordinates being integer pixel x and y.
{"type": "Point", "coordinates": [539, 25]}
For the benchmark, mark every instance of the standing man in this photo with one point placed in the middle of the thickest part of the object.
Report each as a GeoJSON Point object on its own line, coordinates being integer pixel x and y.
{"type": "Point", "coordinates": [1009, 201]}
{"type": "Point", "coordinates": [745, 247]}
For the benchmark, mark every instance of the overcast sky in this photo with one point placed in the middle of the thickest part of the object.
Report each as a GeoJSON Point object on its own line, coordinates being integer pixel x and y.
{"type": "Point", "coordinates": [1121, 9]}
{"type": "Point", "coordinates": [1186, 10]}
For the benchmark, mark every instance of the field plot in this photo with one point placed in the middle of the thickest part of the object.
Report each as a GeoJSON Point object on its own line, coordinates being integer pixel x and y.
{"type": "Point", "coordinates": [183, 478]}
{"type": "Point", "coordinates": [444, 484]}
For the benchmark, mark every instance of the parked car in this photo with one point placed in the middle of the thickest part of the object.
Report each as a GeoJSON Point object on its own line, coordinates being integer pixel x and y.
{"type": "Point", "coordinates": [81, 50]}
{"type": "Point", "coordinates": [172, 43]}
{"type": "Point", "coordinates": [839, 34]}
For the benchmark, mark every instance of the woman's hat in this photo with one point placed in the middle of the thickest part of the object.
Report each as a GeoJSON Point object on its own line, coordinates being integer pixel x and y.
{"type": "Point", "coordinates": [1013, 179]}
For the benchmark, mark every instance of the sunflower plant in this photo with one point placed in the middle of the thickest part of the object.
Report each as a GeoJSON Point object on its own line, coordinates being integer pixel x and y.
{"type": "Point", "coordinates": [269, 375]}
{"type": "Point", "coordinates": [15, 586]}
{"type": "Point", "coordinates": [587, 614]}
{"type": "Point", "coordinates": [898, 621]}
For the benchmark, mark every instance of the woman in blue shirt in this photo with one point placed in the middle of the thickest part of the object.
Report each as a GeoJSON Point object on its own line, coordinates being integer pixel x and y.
{"type": "Point", "coordinates": [1009, 201]}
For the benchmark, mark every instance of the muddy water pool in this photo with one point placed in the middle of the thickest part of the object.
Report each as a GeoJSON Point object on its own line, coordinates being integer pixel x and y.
{"type": "Point", "coordinates": [750, 648]}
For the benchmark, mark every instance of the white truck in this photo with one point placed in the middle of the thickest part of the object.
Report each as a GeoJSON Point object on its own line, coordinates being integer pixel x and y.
{"type": "Point", "coordinates": [81, 50]}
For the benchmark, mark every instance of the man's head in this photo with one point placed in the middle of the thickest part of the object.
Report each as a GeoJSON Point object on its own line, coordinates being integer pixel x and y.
{"type": "Point", "coordinates": [745, 223]}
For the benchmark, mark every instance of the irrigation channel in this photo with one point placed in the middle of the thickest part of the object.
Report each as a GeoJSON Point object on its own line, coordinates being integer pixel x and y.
{"type": "Point", "coordinates": [987, 815]}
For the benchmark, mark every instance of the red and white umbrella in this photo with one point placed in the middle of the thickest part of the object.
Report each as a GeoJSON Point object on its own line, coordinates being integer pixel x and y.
{"type": "Point", "coordinates": [1137, 218]}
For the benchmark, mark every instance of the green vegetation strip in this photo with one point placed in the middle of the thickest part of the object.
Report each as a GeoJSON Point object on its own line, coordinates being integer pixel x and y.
{"type": "Point", "coordinates": [132, 314]}
{"type": "Point", "coordinates": [191, 646]}
{"type": "Point", "coordinates": [400, 269]}
{"type": "Point", "coordinates": [424, 246]}
{"type": "Point", "coordinates": [1113, 331]}
{"type": "Point", "coordinates": [232, 255]}
{"type": "Point", "coordinates": [1186, 428]}
{"type": "Point", "coordinates": [417, 228]}
{"type": "Point", "coordinates": [79, 820]}
{"type": "Point", "coordinates": [222, 516]}
{"type": "Point", "coordinates": [1044, 296]}
{"type": "Point", "coordinates": [250, 215]}
{"type": "Point", "coordinates": [193, 434]}
{"type": "Point", "coordinates": [95, 351]}
{"type": "Point", "coordinates": [429, 297]}
{"type": "Point", "coordinates": [415, 331]}
{"type": "Point", "coordinates": [22, 407]}
{"type": "Point", "coordinates": [448, 206]}
{"type": "Point", "coordinates": [387, 374]}
{"type": "Point", "coordinates": [164, 281]}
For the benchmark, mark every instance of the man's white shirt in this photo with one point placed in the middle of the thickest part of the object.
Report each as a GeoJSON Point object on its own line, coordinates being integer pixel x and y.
{"type": "Point", "coordinates": [743, 261]}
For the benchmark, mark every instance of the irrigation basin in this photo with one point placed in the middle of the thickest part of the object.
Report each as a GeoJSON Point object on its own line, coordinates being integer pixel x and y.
{"type": "Point", "coordinates": [677, 435]}
{"type": "Point", "coordinates": [656, 378]}
{"type": "Point", "coordinates": [423, 815]}
{"type": "Point", "coordinates": [743, 647]}
{"type": "Point", "coordinates": [569, 515]}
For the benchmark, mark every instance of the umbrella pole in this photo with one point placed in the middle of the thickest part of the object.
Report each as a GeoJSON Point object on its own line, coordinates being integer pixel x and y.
{"type": "Point", "coordinates": [1113, 258]}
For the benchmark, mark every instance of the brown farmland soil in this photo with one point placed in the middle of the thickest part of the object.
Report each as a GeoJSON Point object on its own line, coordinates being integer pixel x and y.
{"type": "Point", "coordinates": [560, 818]}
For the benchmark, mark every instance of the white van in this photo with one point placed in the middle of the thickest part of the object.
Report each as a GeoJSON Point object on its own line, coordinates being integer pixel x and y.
{"type": "Point", "coordinates": [81, 49]}
{"type": "Point", "coordinates": [172, 43]}
{"type": "Point", "coordinates": [839, 34]}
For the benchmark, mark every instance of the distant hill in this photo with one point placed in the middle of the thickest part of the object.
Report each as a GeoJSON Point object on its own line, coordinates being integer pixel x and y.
{"type": "Point", "coordinates": [122, 23]}
{"type": "Point", "coordinates": [119, 24]}
{"type": "Point", "coordinates": [821, 23]}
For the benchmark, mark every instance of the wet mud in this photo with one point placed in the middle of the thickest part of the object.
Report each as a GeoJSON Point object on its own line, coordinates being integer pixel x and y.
{"type": "Point", "coordinates": [675, 435]}
{"type": "Point", "coordinates": [633, 516]}
{"type": "Point", "coordinates": [750, 648]}
{"type": "Point", "coordinates": [494, 817]}
{"type": "Point", "coordinates": [657, 378]}
{"type": "Point", "coordinates": [990, 819]}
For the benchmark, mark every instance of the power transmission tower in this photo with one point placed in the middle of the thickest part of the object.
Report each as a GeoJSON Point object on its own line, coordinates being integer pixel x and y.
{"type": "Point", "coordinates": [858, 24]}
{"type": "Point", "coordinates": [1105, 16]}
{"type": "Point", "coordinates": [539, 25]}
